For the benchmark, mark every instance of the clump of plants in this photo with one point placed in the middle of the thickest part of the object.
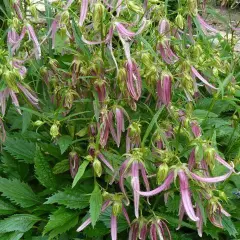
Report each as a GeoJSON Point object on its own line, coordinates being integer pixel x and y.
{"type": "Point", "coordinates": [119, 120]}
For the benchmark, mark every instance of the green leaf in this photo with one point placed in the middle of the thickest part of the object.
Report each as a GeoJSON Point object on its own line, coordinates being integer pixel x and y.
{"type": "Point", "coordinates": [80, 172]}
{"type": "Point", "coordinates": [61, 167]}
{"type": "Point", "coordinates": [61, 221]}
{"type": "Point", "coordinates": [71, 198]}
{"type": "Point", "coordinates": [150, 126]}
{"type": "Point", "coordinates": [26, 120]}
{"type": "Point", "coordinates": [229, 226]}
{"type": "Point", "coordinates": [43, 170]}
{"type": "Point", "coordinates": [95, 204]}
{"type": "Point", "coordinates": [11, 236]}
{"type": "Point", "coordinates": [18, 192]}
{"type": "Point", "coordinates": [78, 37]}
{"type": "Point", "coordinates": [20, 149]}
{"type": "Point", "coordinates": [18, 222]}
{"type": "Point", "coordinates": [64, 142]}
{"type": "Point", "coordinates": [6, 207]}
{"type": "Point", "coordinates": [173, 204]}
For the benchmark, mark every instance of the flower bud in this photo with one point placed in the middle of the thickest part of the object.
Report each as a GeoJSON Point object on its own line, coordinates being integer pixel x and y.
{"type": "Point", "coordinates": [146, 59]}
{"type": "Point", "coordinates": [54, 130]}
{"type": "Point", "coordinates": [134, 7]}
{"type": "Point", "coordinates": [38, 123]}
{"type": "Point", "coordinates": [74, 163]}
{"type": "Point", "coordinates": [162, 173]}
{"type": "Point", "coordinates": [65, 17]}
{"type": "Point", "coordinates": [197, 51]}
{"type": "Point", "coordinates": [117, 208]}
{"type": "Point", "coordinates": [192, 7]}
{"type": "Point", "coordinates": [97, 166]}
{"type": "Point", "coordinates": [10, 78]}
{"type": "Point", "coordinates": [135, 129]}
{"type": "Point", "coordinates": [98, 14]}
{"type": "Point", "coordinates": [15, 23]}
{"type": "Point", "coordinates": [199, 154]}
{"type": "Point", "coordinates": [179, 21]}
{"type": "Point", "coordinates": [34, 11]}
{"type": "Point", "coordinates": [209, 155]}
{"type": "Point", "coordinates": [222, 195]}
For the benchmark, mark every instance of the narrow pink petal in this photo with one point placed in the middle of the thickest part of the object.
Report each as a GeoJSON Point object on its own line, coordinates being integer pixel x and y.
{"type": "Point", "coordinates": [35, 41]}
{"type": "Point", "coordinates": [84, 225]}
{"type": "Point", "coordinates": [69, 3]}
{"type": "Point", "coordinates": [185, 193]}
{"type": "Point", "coordinates": [225, 213]}
{"type": "Point", "coordinates": [161, 188]}
{"type": "Point", "coordinates": [113, 227]}
{"type": "Point", "coordinates": [136, 187]}
{"type": "Point", "coordinates": [223, 162]}
{"type": "Point", "coordinates": [122, 172]}
{"type": "Point", "coordinates": [15, 101]}
{"type": "Point", "coordinates": [143, 232]}
{"type": "Point", "coordinates": [191, 160]}
{"type": "Point", "coordinates": [144, 176]}
{"type": "Point", "coordinates": [205, 25]}
{"type": "Point", "coordinates": [199, 223]}
{"type": "Point", "coordinates": [200, 77]}
{"type": "Point", "coordinates": [213, 179]}
{"type": "Point", "coordinates": [104, 160]}
{"type": "Point", "coordinates": [153, 232]}
{"type": "Point", "coordinates": [168, 231]}
{"type": "Point", "coordinates": [112, 130]}
{"type": "Point", "coordinates": [181, 213]}
{"type": "Point", "coordinates": [119, 6]}
{"type": "Point", "coordinates": [125, 33]}
{"type": "Point", "coordinates": [22, 35]}
{"type": "Point", "coordinates": [54, 28]}
{"type": "Point", "coordinates": [124, 211]}
{"type": "Point", "coordinates": [83, 13]}
{"type": "Point", "coordinates": [120, 123]}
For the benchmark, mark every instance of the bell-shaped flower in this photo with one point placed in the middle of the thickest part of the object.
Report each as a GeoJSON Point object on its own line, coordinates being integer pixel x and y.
{"type": "Point", "coordinates": [164, 89]}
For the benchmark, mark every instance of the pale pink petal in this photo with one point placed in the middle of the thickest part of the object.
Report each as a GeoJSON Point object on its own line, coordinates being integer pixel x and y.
{"type": "Point", "coordinates": [113, 227]}
{"type": "Point", "coordinates": [83, 13]}
{"type": "Point", "coordinates": [122, 172]}
{"type": "Point", "coordinates": [199, 223]}
{"type": "Point", "coordinates": [15, 101]}
{"type": "Point", "coordinates": [124, 211]}
{"type": "Point", "coordinates": [223, 162]}
{"type": "Point", "coordinates": [84, 225]}
{"type": "Point", "coordinates": [206, 25]}
{"type": "Point", "coordinates": [161, 188]}
{"type": "Point", "coordinates": [136, 187]}
{"type": "Point", "coordinates": [104, 160]}
{"type": "Point", "coordinates": [35, 41]}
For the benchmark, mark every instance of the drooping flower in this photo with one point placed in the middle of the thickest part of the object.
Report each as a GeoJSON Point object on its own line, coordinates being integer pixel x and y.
{"type": "Point", "coordinates": [29, 94]}
{"type": "Point", "coordinates": [117, 208]}
{"type": "Point", "coordinates": [166, 52]}
{"type": "Point", "coordinates": [196, 129]}
{"type": "Point", "coordinates": [133, 138]}
{"type": "Point", "coordinates": [164, 88]}
{"type": "Point", "coordinates": [74, 163]}
{"type": "Point", "coordinates": [159, 229]}
{"type": "Point", "coordinates": [204, 25]}
{"type": "Point", "coordinates": [104, 128]}
{"type": "Point", "coordinates": [134, 162]}
{"type": "Point", "coordinates": [83, 12]}
{"type": "Point", "coordinates": [139, 229]}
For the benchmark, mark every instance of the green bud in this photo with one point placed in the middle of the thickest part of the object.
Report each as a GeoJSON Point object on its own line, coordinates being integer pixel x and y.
{"type": "Point", "coordinates": [65, 17]}
{"type": "Point", "coordinates": [54, 130]}
{"type": "Point", "coordinates": [192, 7]}
{"type": "Point", "coordinates": [209, 155]}
{"type": "Point", "coordinates": [134, 7]}
{"type": "Point", "coordinates": [117, 208]}
{"type": "Point", "coordinates": [34, 11]}
{"type": "Point", "coordinates": [197, 51]}
{"type": "Point", "coordinates": [97, 166]}
{"type": "Point", "coordinates": [162, 173]}
{"type": "Point", "coordinates": [38, 123]}
{"type": "Point", "coordinates": [222, 195]}
{"type": "Point", "coordinates": [98, 14]}
{"type": "Point", "coordinates": [146, 59]}
{"type": "Point", "coordinates": [179, 21]}
{"type": "Point", "coordinates": [10, 79]}
{"type": "Point", "coordinates": [15, 23]}
{"type": "Point", "coordinates": [135, 129]}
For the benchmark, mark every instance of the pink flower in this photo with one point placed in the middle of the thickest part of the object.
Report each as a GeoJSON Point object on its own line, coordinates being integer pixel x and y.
{"type": "Point", "coordinates": [101, 157]}
{"type": "Point", "coordinates": [196, 129]}
{"type": "Point", "coordinates": [104, 128]}
{"type": "Point", "coordinates": [159, 230]}
{"type": "Point", "coordinates": [83, 12]}
{"type": "Point", "coordinates": [166, 52]}
{"type": "Point", "coordinates": [29, 95]}
{"type": "Point", "coordinates": [204, 25]}
{"type": "Point", "coordinates": [134, 81]}
{"type": "Point", "coordinates": [164, 87]}
{"type": "Point", "coordinates": [139, 229]}
{"type": "Point", "coordinates": [36, 44]}
{"type": "Point", "coordinates": [17, 8]}
{"type": "Point", "coordinates": [164, 27]}
{"type": "Point", "coordinates": [201, 78]}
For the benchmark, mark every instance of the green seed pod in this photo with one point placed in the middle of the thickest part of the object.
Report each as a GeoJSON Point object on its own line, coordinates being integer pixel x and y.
{"type": "Point", "coordinates": [98, 14]}
{"type": "Point", "coordinates": [97, 166]}
{"type": "Point", "coordinates": [117, 208]}
{"type": "Point", "coordinates": [38, 123]}
{"type": "Point", "coordinates": [162, 173]}
{"type": "Point", "coordinates": [54, 130]}
{"type": "Point", "coordinates": [134, 7]}
{"type": "Point", "coordinates": [179, 21]}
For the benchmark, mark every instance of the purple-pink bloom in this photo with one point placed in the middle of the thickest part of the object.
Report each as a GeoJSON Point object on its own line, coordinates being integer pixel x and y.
{"type": "Point", "coordinates": [134, 81]}
{"type": "Point", "coordinates": [104, 160]}
{"type": "Point", "coordinates": [205, 25]}
{"type": "Point", "coordinates": [164, 89]}
{"type": "Point", "coordinates": [36, 44]}
{"type": "Point", "coordinates": [29, 95]}
{"type": "Point", "coordinates": [167, 53]}
{"type": "Point", "coordinates": [83, 12]}
{"type": "Point", "coordinates": [164, 27]}
{"type": "Point", "coordinates": [201, 78]}
{"type": "Point", "coordinates": [136, 187]}
{"type": "Point", "coordinates": [114, 227]}
{"type": "Point", "coordinates": [196, 129]}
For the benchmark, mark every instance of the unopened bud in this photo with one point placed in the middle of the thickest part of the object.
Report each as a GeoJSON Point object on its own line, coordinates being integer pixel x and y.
{"type": "Point", "coordinates": [222, 195]}
{"type": "Point", "coordinates": [197, 51]}
{"type": "Point", "coordinates": [117, 208]}
{"type": "Point", "coordinates": [33, 11]}
{"type": "Point", "coordinates": [162, 173]}
{"type": "Point", "coordinates": [74, 163]}
{"type": "Point", "coordinates": [199, 153]}
{"type": "Point", "coordinates": [10, 78]}
{"type": "Point", "coordinates": [65, 17]}
{"type": "Point", "coordinates": [209, 155]}
{"type": "Point", "coordinates": [97, 166]}
{"type": "Point", "coordinates": [38, 123]}
{"type": "Point", "coordinates": [54, 130]}
{"type": "Point", "coordinates": [192, 7]}
{"type": "Point", "coordinates": [134, 7]}
{"type": "Point", "coordinates": [135, 129]}
{"type": "Point", "coordinates": [179, 21]}
{"type": "Point", "coordinates": [98, 14]}
{"type": "Point", "coordinates": [146, 59]}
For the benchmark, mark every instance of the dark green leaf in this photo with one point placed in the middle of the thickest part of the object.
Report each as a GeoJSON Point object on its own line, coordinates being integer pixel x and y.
{"type": "Point", "coordinates": [64, 142]}
{"type": "Point", "coordinates": [80, 173]}
{"type": "Point", "coordinates": [26, 120]}
{"type": "Point", "coordinates": [95, 204]}
{"type": "Point", "coordinates": [61, 167]}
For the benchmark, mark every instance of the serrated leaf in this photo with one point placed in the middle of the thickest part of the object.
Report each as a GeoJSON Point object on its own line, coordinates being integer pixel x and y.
{"type": "Point", "coordinates": [95, 204]}
{"type": "Point", "coordinates": [61, 167]}
{"type": "Point", "coordinates": [64, 142]}
{"type": "Point", "coordinates": [99, 230]}
{"type": "Point", "coordinates": [229, 226]}
{"type": "Point", "coordinates": [20, 149]}
{"type": "Point", "coordinates": [18, 192]}
{"type": "Point", "coordinates": [18, 222]}
{"type": "Point", "coordinates": [80, 172]}
{"type": "Point", "coordinates": [60, 221]}
{"type": "Point", "coordinates": [43, 170]}
{"type": "Point", "coordinates": [173, 204]}
{"type": "Point", "coordinates": [11, 236]}
{"type": "Point", "coordinates": [6, 207]}
{"type": "Point", "coordinates": [26, 120]}
{"type": "Point", "coordinates": [71, 198]}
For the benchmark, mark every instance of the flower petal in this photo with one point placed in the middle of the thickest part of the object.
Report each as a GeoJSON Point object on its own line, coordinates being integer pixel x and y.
{"type": "Point", "coordinates": [136, 187]}
{"type": "Point", "coordinates": [113, 227]}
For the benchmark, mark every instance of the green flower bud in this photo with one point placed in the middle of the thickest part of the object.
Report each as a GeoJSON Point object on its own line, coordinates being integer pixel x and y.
{"type": "Point", "coordinates": [38, 123]}
{"type": "Point", "coordinates": [117, 208]}
{"type": "Point", "coordinates": [209, 155]}
{"type": "Point", "coordinates": [97, 166]}
{"type": "Point", "coordinates": [134, 7]}
{"type": "Point", "coordinates": [192, 7]}
{"type": "Point", "coordinates": [162, 173]}
{"type": "Point", "coordinates": [10, 79]}
{"type": "Point", "coordinates": [33, 11]}
{"type": "Point", "coordinates": [65, 17]}
{"type": "Point", "coordinates": [135, 129]}
{"type": "Point", "coordinates": [197, 51]}
{"type": "Point", "coordinates": [222, 195]}
{"type": "Point", "coordinates": [98, 14]}
{"type": "Point", "coordinates": [179, 21]}
{"type": "Point", "coordinates": [146, 59]}
{"type": "Point", "coordinates": [54, 130]}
